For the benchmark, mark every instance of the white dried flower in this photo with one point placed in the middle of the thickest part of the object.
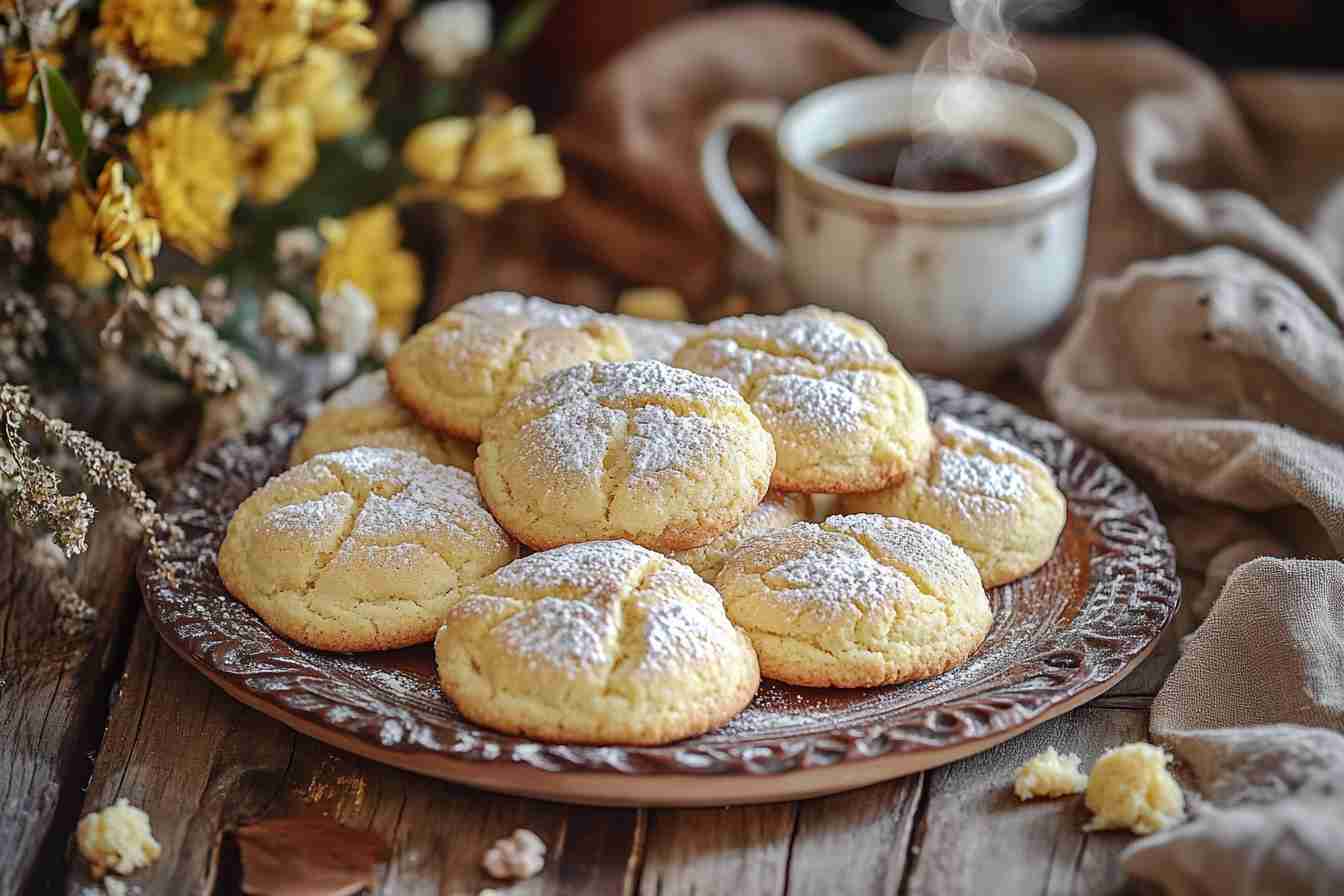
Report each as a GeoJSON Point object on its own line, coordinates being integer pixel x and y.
{"type": "Point", "coordinates": [446, 36]}
{"type": "Point", "coordinates": [170, 325]}
{"type": "Point", "coordinates": [36, 501]}
{"type": "Point", "coordinates": [23, 329]}
{"type": "Point", "coordinates": [386, 345]}
{"type": "Point", "coordinates": [43, 18]}
{"type": "Point", "coordinates": [516, 857]}
{"type": "Point", "coordinates": [119, 88]}
{"type": "Point", "coordinates": [217, 302]}
{"type": "Point", "coordinates": [241, 409]}
{"type": "Point", "coordinates": [174, 309]}
{"type": "Point", "coordinates": [347, 320]}
{"type": "Point", "coordinates": [297, 251]}
{"type": "Point", "coordinates": [17, 232]}
{"type": "Point", "coordinates": [202, 359]}
{"type": "Point", "coordinates": [97, 129]}
{"type": "Point", "coordinates": [74, 615]}
{"type": "Point", "coordinates": [37, 172]}
{"type": "Point", "coordinates": [286, 322]}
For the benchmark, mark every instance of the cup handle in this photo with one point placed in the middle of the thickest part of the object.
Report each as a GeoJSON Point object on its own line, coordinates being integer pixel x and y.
{"type": "Point", "coordinates": [761, 116]}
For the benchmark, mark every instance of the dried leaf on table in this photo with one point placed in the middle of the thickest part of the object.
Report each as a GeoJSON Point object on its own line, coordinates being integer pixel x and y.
{"type": "Point", "coordinates": [308, 856]}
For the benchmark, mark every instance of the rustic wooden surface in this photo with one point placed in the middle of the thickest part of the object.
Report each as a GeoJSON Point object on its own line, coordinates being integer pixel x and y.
{"type": "Point", "coordinates": [85, 721]}
{"type": "Point", "coordinates": [199, 763]}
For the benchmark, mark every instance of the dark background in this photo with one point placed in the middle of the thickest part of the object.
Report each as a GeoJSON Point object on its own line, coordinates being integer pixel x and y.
{"type": "Point", "coordinates": [579, 35]}
{"type": "Point", "coordinates": [1224, 33]}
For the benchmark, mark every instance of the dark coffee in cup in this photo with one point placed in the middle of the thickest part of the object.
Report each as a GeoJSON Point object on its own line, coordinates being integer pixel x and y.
{"type": "Point", "coordinates": [939, 163]}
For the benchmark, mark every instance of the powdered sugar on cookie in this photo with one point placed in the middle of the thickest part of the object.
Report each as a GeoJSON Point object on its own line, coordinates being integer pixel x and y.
{"type": "Point", "coordinates": [641, 644]}
{"type": "Point", "coordinates": [844, 414]}
{"type": "Point", "coordinates": [662, 456]}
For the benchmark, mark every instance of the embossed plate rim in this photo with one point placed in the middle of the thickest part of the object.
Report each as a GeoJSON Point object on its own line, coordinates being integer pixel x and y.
{"type": "Point", "coordinates": [1132, 569]}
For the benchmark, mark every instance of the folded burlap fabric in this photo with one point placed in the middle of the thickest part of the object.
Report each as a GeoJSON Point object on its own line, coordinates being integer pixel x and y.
{"type": "Point", "coordinates": [1206, 355]}
{"type": "Point", "coordinates": [1221, 374]}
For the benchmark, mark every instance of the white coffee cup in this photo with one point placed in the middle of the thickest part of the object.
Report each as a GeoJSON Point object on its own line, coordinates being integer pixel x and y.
{"type": "Point", "coordinates": [957, 282]}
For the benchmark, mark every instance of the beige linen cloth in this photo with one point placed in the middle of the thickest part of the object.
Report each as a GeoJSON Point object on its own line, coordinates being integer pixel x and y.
{"type": "Point", "coordinates": [1205, 354]}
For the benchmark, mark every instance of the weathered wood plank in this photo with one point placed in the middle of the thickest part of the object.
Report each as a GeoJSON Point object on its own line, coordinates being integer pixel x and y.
{"type": "Point", "coordinates": [857, 842]}
{"type": "Point", "coordinates": [200, 763]}
{"type": "Point", "coordinates": [191, 757]}
{"type": "Point", "coordinates": [736, 850]}
{"type": "Point", "coordinates": [976, 837]}
{"type": "Point", "coordinates": [53, 693]}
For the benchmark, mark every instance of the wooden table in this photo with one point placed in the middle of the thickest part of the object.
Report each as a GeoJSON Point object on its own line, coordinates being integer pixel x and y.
{"type": "Point", "coordinates": [117, 714]}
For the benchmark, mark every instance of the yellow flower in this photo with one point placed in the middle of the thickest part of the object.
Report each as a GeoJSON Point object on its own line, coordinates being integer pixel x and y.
{"type": "Point", "coordinates": [156, 32]}
{"type": "Point", "coordinates": [365, 251]}
{"type": "Point", "coordinates": [267, 35]}
{"type": "Point", "coordinates": [336, 24]}
{"type": "Point", "coordinates": [19, 126]}
{"type": "Point", "coordinates": [189, 177]}
{"type": "Point", "coordinates": [326, 85]}
{"type": "Point", "coordinates": [279, 152]}
{"type": "Point", "coordinates": [20, 66]}
{"type": "Point", "coordinates": [70, 243]}
{"type": "Point", "coordinates": [121, 227]}
{"type": "Point", "coordinates": [481, 163]}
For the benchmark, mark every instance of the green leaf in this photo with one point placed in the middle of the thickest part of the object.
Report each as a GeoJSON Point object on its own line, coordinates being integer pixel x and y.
{"type": "Point", "coordinates": [42, 120]}
{"type": "Point", "coordinates": [61, 101]}
{"type": "Point", "coordinates": [523, 25]}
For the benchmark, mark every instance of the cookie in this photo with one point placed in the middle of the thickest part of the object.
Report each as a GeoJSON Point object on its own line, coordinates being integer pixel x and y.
{"type": "Point", "coordinates": [844, 414]}
{"type": "Point", "coordinates": [856, 601]}
{"type": "Point", "coordinates": [603, 642]}
{"type": "Point", "coordinates": [365, 414]}
{"type": "Point", "coordinates": [996, 501]}
{"type": "Point", "coordinates": [650, 340]}
{"type": "Point", "coordinates": [459, 369]}
{"type": "Point", "coordinates": [777, 511]}
{"type": "Point", "coordinates": [857, 327]}
{"type": "Point", "coordinates": [660, 456]}
{"type": "Point", "coordinates": [362, 549]}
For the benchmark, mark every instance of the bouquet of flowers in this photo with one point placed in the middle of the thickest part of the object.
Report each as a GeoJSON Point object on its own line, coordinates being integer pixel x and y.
{"type": "Point", "coordinates": [194, 193]}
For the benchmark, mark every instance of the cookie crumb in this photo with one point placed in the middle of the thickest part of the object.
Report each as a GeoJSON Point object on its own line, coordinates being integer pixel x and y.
{"type": "Point", "coordinates": [1049, 774]}
{"type": "Point", "coordinates": [1130, 787]}
{"type": "Point", "coordinates": [516, 857]}
{"type": "Point", "coordinates": [117, 838]}
{"type": "Point", "coordinates": [653, 303]}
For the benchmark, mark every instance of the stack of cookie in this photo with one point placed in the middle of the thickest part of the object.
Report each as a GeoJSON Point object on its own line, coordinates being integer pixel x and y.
{"type": "Point", "coordinates": [663, 473]}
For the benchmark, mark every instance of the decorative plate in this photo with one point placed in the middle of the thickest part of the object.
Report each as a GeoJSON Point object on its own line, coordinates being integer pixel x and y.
{"type": "Point", "coordinates": [1060, 637]}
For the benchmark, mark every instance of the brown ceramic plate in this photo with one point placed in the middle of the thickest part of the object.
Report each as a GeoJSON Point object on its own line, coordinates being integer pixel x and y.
{"type": "Point", "coordinates": [1060, 638]}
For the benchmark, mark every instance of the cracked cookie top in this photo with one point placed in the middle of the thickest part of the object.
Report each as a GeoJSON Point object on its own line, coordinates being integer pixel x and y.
{"type": "Point", "coordinates": [361, 549]}
{"type": "Point", "coordinates": [996, 501]}
{"type": "Point", "coordinates": [460, 368]}
{"type": "Point", "coordinates": [642, 451]}
{"type": "Point", "coordinates": [844, 414]}
{"type": "Point", "coordinates": [650, 340]}
{"type": "Point", "coordinates": [599, 642]}
{"type": "Point", "coordinates": [365, 414]}
{"type": "Point", "coordinates": [857, 601]}
{"type": "Point", "coordinates": [777, 511]}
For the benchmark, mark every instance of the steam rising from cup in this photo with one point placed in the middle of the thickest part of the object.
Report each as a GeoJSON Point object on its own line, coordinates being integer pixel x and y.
{"type": "Point", "coordinates": [978, 47]}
